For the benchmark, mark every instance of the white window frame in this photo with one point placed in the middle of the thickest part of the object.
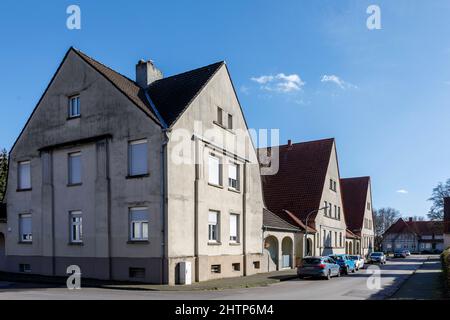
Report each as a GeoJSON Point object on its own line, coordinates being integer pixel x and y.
{"type": "Point", "coordinates": [131, 171]}
{"type": "Point", "coordinates": [214, 227]}
{"type": "Point", "coordinates": [235, 238]}
{"type": "Point", "coordinates": [230, 121]}
{"type": "Point", "coordinates": [74, 109]}
{"type": "Point", "coordinates": [20, 184]}
{"type": "Point", "coordinates": [214, 158]}
{"type": "Point", "coordinates": [71, 156]}
{"type": "Point", "coordinates": [25, 237]}
{"type": "Point", "coordinates": [76, 227]}
{"type": "Point", "coordinates": [234, 184]}
{"type": "Point", "coordinates": [141, 224]}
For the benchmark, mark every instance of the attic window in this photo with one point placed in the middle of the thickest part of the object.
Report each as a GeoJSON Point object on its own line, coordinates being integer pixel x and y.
{"type": "Point", "coordinates": [219, 116]}
{"type": "Point", "coordinates": [74, 106]}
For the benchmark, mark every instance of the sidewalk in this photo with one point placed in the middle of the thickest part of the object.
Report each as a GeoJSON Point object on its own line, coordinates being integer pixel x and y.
{"type": "Point", "coordinates": [424, 284]}
{"type": "Point", "coordinates": [258, 280]}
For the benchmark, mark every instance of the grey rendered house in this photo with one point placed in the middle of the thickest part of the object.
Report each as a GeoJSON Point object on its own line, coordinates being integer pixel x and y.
{"type": "Point", "coordinates": [128, 179]}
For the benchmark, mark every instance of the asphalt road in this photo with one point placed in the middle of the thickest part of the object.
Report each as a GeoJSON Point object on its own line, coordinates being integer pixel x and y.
{"type": "Point", "coordinates": [359, 286]}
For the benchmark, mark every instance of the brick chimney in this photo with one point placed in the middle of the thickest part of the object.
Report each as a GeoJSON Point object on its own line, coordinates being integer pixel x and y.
{"type": "Point", "coordinates": [289, 145]}
{"type": "Point", "coordinates": [146, 73]}
{"type": "Point", "coordinates": [447, 214]}
{"type": "Point", "coordinates": [411, 219]}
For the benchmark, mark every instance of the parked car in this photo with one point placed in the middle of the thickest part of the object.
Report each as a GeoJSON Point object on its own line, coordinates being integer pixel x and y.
{"type": "Point", "coordinates": [346, 264]}
{"type": "Point", "coordinates": [377, 257]}
{"type": "Point", "coordinates": [400, 254]}
{"type": "Point", "coordinates": [408, 253]}
{"type": "Point", "coordinates": [359, 261]}
{"type": "Point", "coordinates": [323, 267]}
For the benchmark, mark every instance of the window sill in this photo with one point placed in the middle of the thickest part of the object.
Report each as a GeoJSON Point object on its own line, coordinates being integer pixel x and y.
{"type": "Point", "coordinates": [214, 243]}
{"type": "Point", "coordinates": [76, 244]}
{"type": "Point", "coordinates": [139, 176]}
{"type": "Point", "coordinates": [235, 244]}
{"type": "Point", "coordinates": [24, 190]}
{"type": "Point", "coordinates": [26, 242]}
{"type": "Point", "coordinates": [223, 127]}
{"type": "Point", "coordinates": [215, 185]}
{"type": "Point", "coordinates": [234, 190]}
{"type": "Point", "coordinates": [73, 118]}
{"type": "Point", "coordinates": [138, 242]}
{"type": "Point", "coordinates": [69, 185]}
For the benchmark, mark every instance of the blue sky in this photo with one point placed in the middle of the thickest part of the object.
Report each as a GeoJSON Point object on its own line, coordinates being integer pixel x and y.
{"type": "Point", "coordinates": [383, 94]}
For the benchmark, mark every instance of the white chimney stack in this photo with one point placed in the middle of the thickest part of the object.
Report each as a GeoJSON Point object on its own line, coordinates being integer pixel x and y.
{"type": "Point", "coordinates": [146, 73]}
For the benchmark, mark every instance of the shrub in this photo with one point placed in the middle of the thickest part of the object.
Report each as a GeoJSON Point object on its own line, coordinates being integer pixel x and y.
{"type": "Point", "coordinates": [445, 258]}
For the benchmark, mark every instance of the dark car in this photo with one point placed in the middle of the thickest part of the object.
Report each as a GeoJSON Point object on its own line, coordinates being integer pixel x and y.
{"type": "Point", "coordinates": [400, 254]}
{"type": "Point", "coordinates": [320, 267]}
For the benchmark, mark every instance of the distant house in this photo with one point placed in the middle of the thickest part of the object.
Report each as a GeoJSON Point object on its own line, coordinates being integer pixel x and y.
{"type": "Point", "coordinates": [357, 198]}
{"type": "Point", "coordinates": [446, 223]}
{"type": "Point", "coordinates": [307, 184]}
{"type": "Point", "coordinates": [415, 236]}
{"type": "Point", "coordinates": [2, 235]}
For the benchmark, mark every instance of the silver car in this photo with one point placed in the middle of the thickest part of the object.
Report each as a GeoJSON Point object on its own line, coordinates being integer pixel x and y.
{"type": "Point", "coordinates": [320, 267]}
{"type": "Point", "coordinates": [377, 257]}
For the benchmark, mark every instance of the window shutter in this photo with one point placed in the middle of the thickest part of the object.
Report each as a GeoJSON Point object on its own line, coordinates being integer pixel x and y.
{"type": "Point", "coordinates": [138, 158]}
{"type": "Point", "coordinates": [213, 167]}
{"type": "Point", "coordinates": [212, 218]}
{"type": "Point", "coordinates": [24, 175]}
{"type": "Point", "coordinates": [233, 225]}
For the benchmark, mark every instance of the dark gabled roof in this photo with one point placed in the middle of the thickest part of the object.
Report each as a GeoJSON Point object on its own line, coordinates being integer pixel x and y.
{"type": "Point", "coordinates": [350, 235]}
{"type": "Point", "coordinates": [298, 185]}
{"type": "Point", "coordinates": [172, 95]}
{"type": "Point", "coordinates": [354, 195]}
{"type": "Point", "coordinates": [272, 221]}
{"type": "Point", "coordinates": [127, 86]}
{"type": "Point", "coordinates": [420, 228]}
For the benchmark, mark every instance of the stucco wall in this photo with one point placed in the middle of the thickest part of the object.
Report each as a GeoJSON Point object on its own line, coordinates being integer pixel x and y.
{"type": "Point", "coordinates": [328, 224]}
{"type": "Point", "coordinates": [368, 234]}
{"type": "Point", "coordinates": [189, 192]}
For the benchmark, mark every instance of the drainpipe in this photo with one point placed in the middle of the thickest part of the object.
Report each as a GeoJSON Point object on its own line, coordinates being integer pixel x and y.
{"type": "Point", "coordinates": [163, 202]}
{"type": "Point", "coordinates": [244, 219]}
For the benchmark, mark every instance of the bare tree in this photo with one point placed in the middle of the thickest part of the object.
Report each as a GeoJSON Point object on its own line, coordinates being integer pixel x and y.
{"type": "Point", "coordinates": [384, 218]}
{"type": "Point", "coordinates": [441, 191]}
{"type": "Point", "coordinates": [3, 172]}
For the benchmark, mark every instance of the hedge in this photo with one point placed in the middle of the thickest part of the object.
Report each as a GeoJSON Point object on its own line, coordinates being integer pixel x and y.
{"type": "Point", "coordinates": [445, 258]}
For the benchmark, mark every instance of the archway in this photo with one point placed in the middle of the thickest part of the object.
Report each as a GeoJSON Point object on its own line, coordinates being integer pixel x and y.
{"type": "Point", "coordinates": [271, 247]}
{"type": "Point", "coordinates": [2, 253]}
{"type": "Point", "coordinates": [286, 252]}
{"type": "Point", "coordinates": [309, 247]}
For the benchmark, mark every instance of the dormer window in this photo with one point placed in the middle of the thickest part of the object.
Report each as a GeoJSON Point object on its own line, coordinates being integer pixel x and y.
{"type": "Point", "coordinates": [74, 106]}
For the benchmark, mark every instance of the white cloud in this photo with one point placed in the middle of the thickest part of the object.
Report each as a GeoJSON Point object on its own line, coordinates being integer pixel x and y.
{"type": "Point", "coordinates": [337, 81]}
{"type": "Point", "coordinates": [402, 191]}
{"type": "Point", "coordinates": [280, 83]}
{"type": "Point", "coordinates": [245, 90]}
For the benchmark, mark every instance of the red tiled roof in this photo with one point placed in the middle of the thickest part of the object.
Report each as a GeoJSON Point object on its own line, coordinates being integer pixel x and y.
{"type": "Point", "coordinates": [299, 183]}
{"type": "Point", "coordinates": [354, 195]}
{"type": "Point", "coordinates": [420, 228]}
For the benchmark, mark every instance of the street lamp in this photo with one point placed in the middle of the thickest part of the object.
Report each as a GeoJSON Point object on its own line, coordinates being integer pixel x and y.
{"type": "Point", "coordinates": [306, 228]}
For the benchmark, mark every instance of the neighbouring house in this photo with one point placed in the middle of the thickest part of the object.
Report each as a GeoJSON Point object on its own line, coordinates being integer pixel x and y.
{"type": "Point", "coordinates": [135, 179]}
{"type": "Point", "coordinates": [280, 242]}
{"type": "Point", "coordinates": [414, 236]}
{"type": "Point", "coordinates": [307, 185]}
{"type": "Point", "coordinates": [357, 203]}
{"type": "Point", "coordinates": [446, 222]}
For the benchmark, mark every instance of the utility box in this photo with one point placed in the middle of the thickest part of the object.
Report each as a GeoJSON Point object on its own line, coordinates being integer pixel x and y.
{"type": "Point", "coordinates": [185, 273]}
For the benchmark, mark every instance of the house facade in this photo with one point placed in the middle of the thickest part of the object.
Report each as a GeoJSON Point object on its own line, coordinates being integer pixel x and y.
{"type": "Point", "coordinates": [129, 179]}
{"type": "Point", "coordinates": [414, 236]}
{"type": "Point", "coordinates": [357, 199]}
{"type": "Point", "coordinates": [306, 193]}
